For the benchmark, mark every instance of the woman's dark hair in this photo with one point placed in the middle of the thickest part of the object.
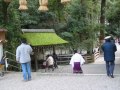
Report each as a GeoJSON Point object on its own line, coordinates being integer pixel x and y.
{"type": "Point", "coordinates": [75, 51]}
{"type": "Point", "coordinates": [47, 55]}
{"type": "Point", "coordinates": [54, 53]}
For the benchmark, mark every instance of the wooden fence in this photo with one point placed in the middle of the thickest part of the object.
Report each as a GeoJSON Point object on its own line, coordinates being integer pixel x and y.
{"type": "Point", "coordinates": [65, 59]}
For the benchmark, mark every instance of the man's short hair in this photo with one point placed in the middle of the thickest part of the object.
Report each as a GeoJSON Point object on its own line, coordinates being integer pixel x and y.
{"type": "Point", "coordinates": [23, 40]}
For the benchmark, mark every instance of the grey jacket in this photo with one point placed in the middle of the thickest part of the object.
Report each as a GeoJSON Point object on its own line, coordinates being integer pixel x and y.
{"type": "Point", "coordinates": [23, 53]}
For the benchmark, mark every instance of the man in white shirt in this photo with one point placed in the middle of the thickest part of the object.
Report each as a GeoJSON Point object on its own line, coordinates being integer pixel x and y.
{"type": "Point", "coordinates": [23, 56]}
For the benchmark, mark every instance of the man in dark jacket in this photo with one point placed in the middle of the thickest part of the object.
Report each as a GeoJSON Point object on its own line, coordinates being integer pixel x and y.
{"type": "Point", "coordinates": [109, 50]}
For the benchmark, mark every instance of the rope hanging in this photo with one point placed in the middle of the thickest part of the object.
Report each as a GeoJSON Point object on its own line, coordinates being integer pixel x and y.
{"type": "Point", "coordinates": [43, 2]}
{"type": "Point", "coordinates": [65, 1]}
{"type": "Point", "coordinates": [43, 5]}
{"type": "Point", "coordinates": [23, 5]}
{"type": "Point", "coordinates": [43, 8]}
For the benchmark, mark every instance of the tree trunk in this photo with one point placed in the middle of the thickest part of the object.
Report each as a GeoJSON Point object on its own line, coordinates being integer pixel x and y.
{"type": "Point", "coordinates": [102, 18]}
{"type": "Point", "coordinates": [4, 10]}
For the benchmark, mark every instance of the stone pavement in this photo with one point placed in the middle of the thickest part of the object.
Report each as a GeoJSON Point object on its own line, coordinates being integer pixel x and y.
{"type": "Point", "coordinates": [88, 69]}
{"type": "Point", "coordinates": [13, 81]}
{"type": "Point", "coordinates": [94, 78]}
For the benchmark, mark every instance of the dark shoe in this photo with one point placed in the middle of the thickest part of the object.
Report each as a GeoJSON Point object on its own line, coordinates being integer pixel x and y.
{"type": "Point", "coordinates": [52, 69]}
{"type": "Point", "coordinates": [2, 74]}
{"type": "Point", "coordinates": [112, 76]}
{"type": "Point", "coordinates": [29, 79]}
{"type": "Point", "coordinates": [81, 72]}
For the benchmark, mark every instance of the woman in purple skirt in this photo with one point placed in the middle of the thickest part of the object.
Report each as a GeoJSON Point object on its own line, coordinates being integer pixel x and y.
{"type": "Point", "coordinates": [76, 62]}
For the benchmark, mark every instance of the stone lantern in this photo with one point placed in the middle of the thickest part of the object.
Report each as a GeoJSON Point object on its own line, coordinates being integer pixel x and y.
{"type": "Point", "coordinates": [2, 40]}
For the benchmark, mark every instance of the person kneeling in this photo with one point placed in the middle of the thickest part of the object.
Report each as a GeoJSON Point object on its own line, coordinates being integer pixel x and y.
{"type": "Point", "coordinates": [76, 62]}
{"type": "Point", "coordinates": [50, 62]}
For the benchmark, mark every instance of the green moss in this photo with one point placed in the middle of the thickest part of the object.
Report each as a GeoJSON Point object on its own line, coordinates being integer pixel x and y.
{"type": "Point", "coordinates": [39, 39]}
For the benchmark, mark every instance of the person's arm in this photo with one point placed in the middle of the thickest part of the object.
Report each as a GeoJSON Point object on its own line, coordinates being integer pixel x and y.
{"type": "Point", "coordinates": [17, 55]}
{"type": "Point", "coordinates": [47, 59]}
{"type": "Point", "coordinates": [31, 50]}
{"type": "Point", "coordinates": [82, 60]}
{"type": "Point", "coordinates": [102, 48]}
{"type": "Point", "coordinates": [71, 60]}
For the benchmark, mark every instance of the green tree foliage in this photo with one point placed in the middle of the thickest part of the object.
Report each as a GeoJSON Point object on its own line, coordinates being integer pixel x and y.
{"type": "Point", "coordinates": [57, 8]}
{"type": "Point", "coordinates": [78, 23]}
{"type": "Point", "coordinates": [113, 17]}
{"type": "Point", "coordinates": [1, 13]}
{"type": "Point", "coordinates": [81, 22]}
{"type": "Point", "coordinates": [13, 19]}
{"type": "Point", "coordinates": [10, 20]}
{"type": "Point", "coordinates": [32, 18]}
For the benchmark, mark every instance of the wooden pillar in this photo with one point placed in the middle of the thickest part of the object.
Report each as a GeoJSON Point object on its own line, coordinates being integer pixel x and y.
{"type": "Point", "coordinates": [102, 20]}
{"type": "Point", "coordinates": [53, 48]}
{"type": "Point", "coordinates": [36, 64]}
{"type": "Point", "coordinates": [35, 59]}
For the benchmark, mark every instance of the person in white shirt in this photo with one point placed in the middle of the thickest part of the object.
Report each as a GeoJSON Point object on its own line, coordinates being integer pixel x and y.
{"type": "Point", "coordinates": [23, 52]}
{"type": "Point", "coordinates": [50, 62]}
{"type": "Point", "coordinates": [76, 62]}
